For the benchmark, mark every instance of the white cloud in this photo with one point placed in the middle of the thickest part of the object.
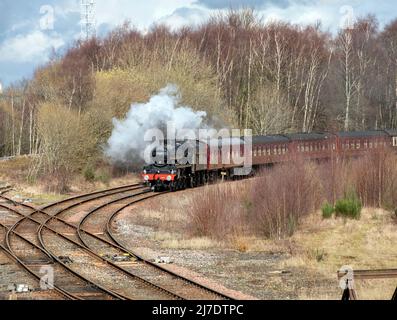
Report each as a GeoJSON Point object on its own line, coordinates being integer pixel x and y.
{"type": "Point", "coordinates": [142, 14]}
{"type": "Point", "coordinates": [32, 47]}
{"type": "Point", "coordinates": [184, 17]}
{"type": "Point", "coordinates": [176, 13]}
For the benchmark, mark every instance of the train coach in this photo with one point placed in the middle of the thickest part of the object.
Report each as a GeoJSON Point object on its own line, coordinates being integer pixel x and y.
{"type": "Point", "coordinates": [219, 159]}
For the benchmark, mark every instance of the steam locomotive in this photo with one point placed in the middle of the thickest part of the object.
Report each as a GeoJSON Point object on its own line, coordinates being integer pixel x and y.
{"type": "Point", "coordinates": [210, 160]}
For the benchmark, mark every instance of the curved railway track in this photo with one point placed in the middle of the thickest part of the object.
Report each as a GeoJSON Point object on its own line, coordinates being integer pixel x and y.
{"type": "Point", "coordinates": [71, 285]}
{"type": "Point", "coordinates": [151, 277]}
{"type": "Point", "coordinates": [98, 270]}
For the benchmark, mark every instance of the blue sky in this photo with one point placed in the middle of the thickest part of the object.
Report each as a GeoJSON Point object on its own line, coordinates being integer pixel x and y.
{"type": "Point", "coordinates": [28, 36]}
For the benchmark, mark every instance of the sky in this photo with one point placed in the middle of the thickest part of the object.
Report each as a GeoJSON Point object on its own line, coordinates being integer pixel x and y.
{"type": "Point", "coordinates": [31, 30]}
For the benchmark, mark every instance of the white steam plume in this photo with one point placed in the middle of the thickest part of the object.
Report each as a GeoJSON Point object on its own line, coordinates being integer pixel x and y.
{"type": "Point", "coordinates": [126, 144]}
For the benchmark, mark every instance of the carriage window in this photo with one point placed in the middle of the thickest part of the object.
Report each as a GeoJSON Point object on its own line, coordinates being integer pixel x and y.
{"type": "Point", "coordinates": [358, 145]}
{"type": "Point", "coordinates": [371, 145]}
{"type": "Point", "coordinates": [366, 144]}
{"type": "Point", "coordinates": [255, 152]}
{"type": "Point", "coordinates": [260, 151]}
{"type": "Point", "coordinates": [395, 142]}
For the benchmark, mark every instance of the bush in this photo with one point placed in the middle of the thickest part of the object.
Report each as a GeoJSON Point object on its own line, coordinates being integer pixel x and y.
{"type": "Point", "coordinates": [103, 176]}
{"type": "Point", "coordinates": [283, 195]}
{"type": "Point", "coordinates": [218, 219]}
{"type": "Point", "coordinates": [89, 173]}
{"type": "Point", "coordinates": [328, 211]}
{"type": "Point", "coordinates": [65, 146]}
{"type": "Point", "coordinates": [349, 207]}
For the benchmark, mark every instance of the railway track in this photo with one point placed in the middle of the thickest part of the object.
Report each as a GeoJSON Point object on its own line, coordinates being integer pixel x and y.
{"type": "Point", "coordinates": [350, 293]}
{"type": "Point", "coordinates": [172, 281]}
{"type": "Point", "coordinates": [98, 270]}
{"type": "Point", "coordinates": [52, 229]}
{"type": "Point", "coordinates": [32, 258]}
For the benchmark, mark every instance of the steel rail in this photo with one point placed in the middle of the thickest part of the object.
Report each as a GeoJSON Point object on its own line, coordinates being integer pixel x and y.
{"type": "Point", "coordinates": [350, 293]}
{"type": "Point", "coordinates": [63, 201]}
{"type": "Point", "coordinates": [12, 230]}
{"type": "Point", "coordinates": [26, 267]}
{"type": "Point", "coordinates": [44, 225]}
{"type": "Point", "coordinates": [116, 243]}
{"type": "Point", "coordinates": [370, 274]}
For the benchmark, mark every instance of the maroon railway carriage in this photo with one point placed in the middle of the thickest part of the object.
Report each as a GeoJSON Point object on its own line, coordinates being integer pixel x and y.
{"type": "Point", "coordinates": [319, 146]}
{"type": "Point", "coordinates": [282, 148]}
{"type": "Point", "coordinates": [270, 149]}
{"type": "Point", "coordinates": [354, 144]}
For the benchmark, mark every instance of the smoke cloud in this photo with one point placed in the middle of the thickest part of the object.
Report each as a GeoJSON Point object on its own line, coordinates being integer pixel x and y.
{"type": "Point", "coordinates": [126, 144]}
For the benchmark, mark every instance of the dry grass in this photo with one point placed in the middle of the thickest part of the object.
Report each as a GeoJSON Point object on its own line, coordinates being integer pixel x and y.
{"type": "Point", "coordinates": [177, 241]}
{"type": "Point", "coordinates": [15, 170]}
{"type": "Point", "coordinates": [191, 244]}
{"type": "Point", "coordinates": [365, 244]}
{"type": "Point", "coordinates": [327, 245]}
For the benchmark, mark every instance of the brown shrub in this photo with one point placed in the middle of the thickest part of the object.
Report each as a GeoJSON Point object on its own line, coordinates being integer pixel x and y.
{"type": "Point", "coordinates": [272, 204]}
{"type": "Point", "coordinates": [218, 211]}
{"type": "Point", "coordinates": [372, 177]}
{"type": "Point", "coordinates": [283, 195]}
{"type": "Point", "coordinates": [375, 179]}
